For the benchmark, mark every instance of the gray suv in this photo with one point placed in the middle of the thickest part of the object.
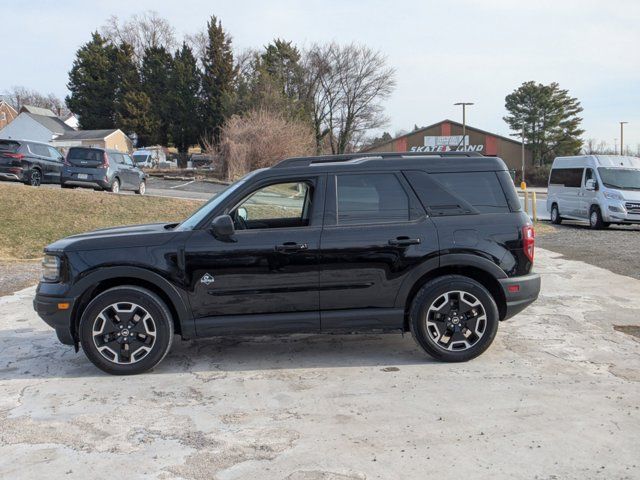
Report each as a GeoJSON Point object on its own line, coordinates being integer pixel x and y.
{"type": "Point", "coordinates": [101, 169]}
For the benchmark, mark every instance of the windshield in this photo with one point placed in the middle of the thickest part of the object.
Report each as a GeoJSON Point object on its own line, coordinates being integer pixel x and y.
{"type": "Point", "coordinates": [200, 214]}
{"type": "Point", "coordinates": [620, 178]}
{"type": "Point", "coordinates": [140, 158]}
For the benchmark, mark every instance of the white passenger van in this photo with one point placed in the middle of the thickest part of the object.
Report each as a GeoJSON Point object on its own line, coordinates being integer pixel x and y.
{"type": "Point", "coordinates": [601, 189]}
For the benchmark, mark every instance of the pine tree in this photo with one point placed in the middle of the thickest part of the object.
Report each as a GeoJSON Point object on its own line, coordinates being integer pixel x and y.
{"type": "Point", "coordinates": [132, 104]}
{"type": "Point", "coordinates": [549, 116]}
{"type": "Point", "coordinates": [155, 75]}
{"type": "Point", "coordinates": [184, 100]}
{"type": "Point", "coordinates": [218, 78]}
{"type": "Point", "coordinates": [92, 83]}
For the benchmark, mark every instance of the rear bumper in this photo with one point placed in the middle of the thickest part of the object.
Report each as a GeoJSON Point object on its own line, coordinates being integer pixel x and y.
{"type": "Point", "coordinates": [85, 183]}
{"type": "Point", "coordinates": [12, 173]}
{"type": "Point", "coordinates": [47, 309]}
{"type": "Point", "coordinates": [528, 289]}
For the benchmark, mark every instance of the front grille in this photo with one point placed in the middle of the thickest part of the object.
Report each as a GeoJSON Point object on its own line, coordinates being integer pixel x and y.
{"type": "Point", "coordinates": [633, 207]}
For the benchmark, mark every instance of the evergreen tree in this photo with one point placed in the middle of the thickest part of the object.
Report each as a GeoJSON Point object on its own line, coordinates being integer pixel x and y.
{"type": "Point", "coordinates": [184, 100]}
{"type": "Point", "coordinates": [92, 83]}
{"type": "Point", "coordinates": [155, 74]}
{"type": "Point", "coordinates": [132, 104]}
{"type": "Point", "coordinates": [549, 116]}
{"type": "Point", "coordinates": [218, 78]}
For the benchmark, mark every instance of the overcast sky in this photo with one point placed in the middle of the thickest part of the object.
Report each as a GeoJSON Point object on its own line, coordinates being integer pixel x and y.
{"type": "Point", "coordinates": [443, 51]}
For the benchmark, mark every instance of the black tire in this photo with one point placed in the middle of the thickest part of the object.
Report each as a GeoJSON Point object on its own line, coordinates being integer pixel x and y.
{"type": "Point", "coordinates": [595, 219]}
{"type": "Point", "coordinates": [142, 188]}
{"type": "Point", "coordinates": [484, 323]}
{"type": "Point", "coordinates": [35, 178]}
{"type": "Point", "coordinates": [153, 344]}
{"type": "Point", "coordinates": [555, 215]}
{"type": "Point", "coordinates": [115, 186]}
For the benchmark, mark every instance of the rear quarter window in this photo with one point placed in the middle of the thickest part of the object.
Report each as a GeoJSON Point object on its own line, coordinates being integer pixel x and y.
{"type": "Point", "coordinates": [9, 146]}
{"type": "Point", "coordinates": [459, 193]}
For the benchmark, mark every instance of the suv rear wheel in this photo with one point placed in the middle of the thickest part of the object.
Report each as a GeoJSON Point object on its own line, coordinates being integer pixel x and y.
{"type": "Point", "coordinates": [35, 178]}
{"type": "Point", "coordinates": [126, 330]}
{"type": "Point", "coordinates": [115, 186]}
{"type": "Point", "coordinates": [454, 318]}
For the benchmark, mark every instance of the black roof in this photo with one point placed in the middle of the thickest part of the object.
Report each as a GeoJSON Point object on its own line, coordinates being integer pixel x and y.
{"type": "Point", "coordinates": [429, 161]}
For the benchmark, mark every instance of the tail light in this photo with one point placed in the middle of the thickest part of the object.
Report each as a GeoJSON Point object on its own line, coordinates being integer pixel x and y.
{"type": "Point", "coordinates": [17, 156]}
{"type": "Point", "coordinates": [105, 161]}
{"type": "Point", "coordinates": [528, 241]}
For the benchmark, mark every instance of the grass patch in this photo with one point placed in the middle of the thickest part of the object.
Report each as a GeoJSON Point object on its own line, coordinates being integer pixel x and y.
{"type": "Point", "coordinates": [31, 218]}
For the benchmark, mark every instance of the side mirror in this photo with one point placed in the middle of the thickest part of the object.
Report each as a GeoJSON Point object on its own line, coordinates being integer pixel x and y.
{"type": "Point", "coordinates": [590, 184]}
{"type": "Point", "coordinates": [222, 227]}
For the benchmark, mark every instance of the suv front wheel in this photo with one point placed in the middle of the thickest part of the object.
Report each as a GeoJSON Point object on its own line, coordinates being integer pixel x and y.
{"type": "Point", "coordinates": [454, 318]}
{"type": "Point", "coordinates": [126, 330]}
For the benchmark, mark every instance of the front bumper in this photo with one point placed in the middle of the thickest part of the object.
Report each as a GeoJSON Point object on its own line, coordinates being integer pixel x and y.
{"type": "Point", "coordinates": [47, 308]}
{"type": "Point", "coordinates": [519, 292]}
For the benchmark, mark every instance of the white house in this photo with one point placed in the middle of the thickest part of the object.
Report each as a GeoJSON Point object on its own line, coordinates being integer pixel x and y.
{"type": "Point", "coordinates": [35, 127]}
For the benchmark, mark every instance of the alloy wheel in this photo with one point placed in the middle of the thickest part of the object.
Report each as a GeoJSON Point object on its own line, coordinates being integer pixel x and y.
{"type": "Point", "coordinates": [456, 321]}
{"type": "Point", "coordinates": [124, 333]}
{"type": "Point", "coordinates": [35, 178]}
{"type": "Point", "coordinates": [593, 218]}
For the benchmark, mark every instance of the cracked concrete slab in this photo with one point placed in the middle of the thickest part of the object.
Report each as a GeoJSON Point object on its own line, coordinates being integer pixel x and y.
{"type": "Point", "coordinates": [556, 396]}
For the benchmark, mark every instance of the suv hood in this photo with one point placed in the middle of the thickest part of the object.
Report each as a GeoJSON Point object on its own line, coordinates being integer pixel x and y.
{"type": "Point", "coordinates": [117, 237]}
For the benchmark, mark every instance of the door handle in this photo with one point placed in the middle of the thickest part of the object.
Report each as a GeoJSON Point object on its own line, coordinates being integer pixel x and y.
{"type": "Point", "coordinates": [404, 241]}
{"type": "Point", "coordinates": [289, 247]}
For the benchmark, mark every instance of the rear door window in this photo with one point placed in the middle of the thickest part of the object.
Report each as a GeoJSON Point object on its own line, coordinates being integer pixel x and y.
{"type": "Point", "coordinates": [85, 157]}
{"type": "Point", "coordinates": [39, 150]}
{"type": "Point", "coordinates": [116, 158]}
{"type": "Point", "coordinates": [365, 199]}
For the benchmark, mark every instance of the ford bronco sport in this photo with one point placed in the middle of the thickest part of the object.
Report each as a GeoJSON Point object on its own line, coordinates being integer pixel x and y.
{"type": "Point", "coordinates": [432, 244]}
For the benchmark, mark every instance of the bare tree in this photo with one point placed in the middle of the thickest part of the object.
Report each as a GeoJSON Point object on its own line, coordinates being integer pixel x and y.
{"type": "Point", "coordinates": [198, 42]}
{"type": "Point", "coordinates": [19, 96]}
{"type": "Point", "coordinates": [141, 31]}
{"type": "Point", "coordinates": [346, 85]}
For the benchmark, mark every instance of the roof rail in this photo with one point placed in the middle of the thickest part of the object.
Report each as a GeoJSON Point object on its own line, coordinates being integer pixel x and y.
{"type": "Point", "coordinates": [346, 157]}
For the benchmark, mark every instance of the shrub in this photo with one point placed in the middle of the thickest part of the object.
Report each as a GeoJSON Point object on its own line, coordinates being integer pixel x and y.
{"type": "Point", "coordinates": [260, 139]}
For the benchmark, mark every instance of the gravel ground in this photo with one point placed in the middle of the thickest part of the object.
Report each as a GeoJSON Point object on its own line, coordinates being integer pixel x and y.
{"type": "Point", "coordinates": [617, 248]}
{"type": "Point", "coordinates": [555, 397]}
{"type": "Point", "coordinates": [15, 276]}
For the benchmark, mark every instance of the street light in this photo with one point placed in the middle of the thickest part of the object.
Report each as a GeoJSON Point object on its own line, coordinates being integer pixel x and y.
{"type": "Point", "coordinates": [622, 137]}
{"type": "Point", "coordinates": [464, 121]}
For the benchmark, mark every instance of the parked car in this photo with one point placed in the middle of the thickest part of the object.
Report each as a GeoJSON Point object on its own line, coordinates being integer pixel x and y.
{"type": "Point", "coordinates": [435, 244]}
{"type": "Point", "coordinates": [102, 170]}
{"type": "Point", "coordinates": [601, 189]}
{"type": "Point", "coordinates": [32, 163]}
{"type": "Point", "coordinates": [201, 160]}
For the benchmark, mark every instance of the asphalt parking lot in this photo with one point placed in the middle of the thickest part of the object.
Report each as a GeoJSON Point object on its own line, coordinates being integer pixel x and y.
{"type": "Point", "coordinates": [556, 396]}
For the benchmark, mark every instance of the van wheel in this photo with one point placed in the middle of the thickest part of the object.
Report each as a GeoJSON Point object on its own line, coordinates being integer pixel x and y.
{"type": "Point", "coordinates": [595, 219]}
{"type": "Point", "coordinates": [115, 186]}
{"type": "Point", "coordinates": [142, 188]}
{"type": "Point", "coordinates": [454, 318]}
{"type": "Point", "coordinates": [126, 330]}
{"type": "Point", "coordinates": [555, 215]}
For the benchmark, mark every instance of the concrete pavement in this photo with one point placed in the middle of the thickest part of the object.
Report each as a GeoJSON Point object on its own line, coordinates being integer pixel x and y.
{"type": "Point", "coordinates": [556, 396]}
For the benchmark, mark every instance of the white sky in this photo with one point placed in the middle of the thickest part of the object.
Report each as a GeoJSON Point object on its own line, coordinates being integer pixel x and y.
{"type": "Point", "coordinates": [443, 51]}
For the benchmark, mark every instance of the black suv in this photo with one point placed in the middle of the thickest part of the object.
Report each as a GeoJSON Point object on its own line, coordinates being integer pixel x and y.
{"type": "Point", "coordinates": [432, 244]}
{"type": "Point", "coordinates": [29, 162]}
{"type": "Point", "coordinates": [102, 170]}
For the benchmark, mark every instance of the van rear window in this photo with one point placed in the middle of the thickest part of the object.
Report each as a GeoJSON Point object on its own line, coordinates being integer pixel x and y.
{"type": "Point", "coordinates": [569, 177]}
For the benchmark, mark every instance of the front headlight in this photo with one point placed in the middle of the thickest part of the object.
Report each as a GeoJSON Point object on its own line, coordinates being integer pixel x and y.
{"type": "Point", "coordinates": [613, 196]}
{"type": "Point", "coordinates": [51, 268]}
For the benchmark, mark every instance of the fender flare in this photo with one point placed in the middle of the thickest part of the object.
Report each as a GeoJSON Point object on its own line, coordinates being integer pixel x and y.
{"type": "Point", "coordinates": [101, 274]}
{"type": "Point", "coordinates": [446, 260]}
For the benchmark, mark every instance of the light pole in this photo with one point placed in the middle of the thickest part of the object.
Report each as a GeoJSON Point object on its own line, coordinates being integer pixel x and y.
{"type": "Point", "coordinates": [622, 137]}
{"type": "Point", "coordinates": [464, 121]}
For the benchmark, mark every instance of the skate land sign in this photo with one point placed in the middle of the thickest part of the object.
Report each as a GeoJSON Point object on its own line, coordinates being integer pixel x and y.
{"type": "Point", "coordinates": [447, 143]}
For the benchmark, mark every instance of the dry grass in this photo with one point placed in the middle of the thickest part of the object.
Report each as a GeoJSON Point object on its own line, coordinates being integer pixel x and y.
{"type": "Point", "coordinates": [31, 218]}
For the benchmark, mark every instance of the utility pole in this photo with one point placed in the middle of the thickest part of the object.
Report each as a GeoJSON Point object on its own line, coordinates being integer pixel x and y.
{"type": "Point", "coordinates": [523, 152]}
{"type": "Point", "coordinates": [464, 121]}
{"type": "Point", "coordinates": [622, 137]}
